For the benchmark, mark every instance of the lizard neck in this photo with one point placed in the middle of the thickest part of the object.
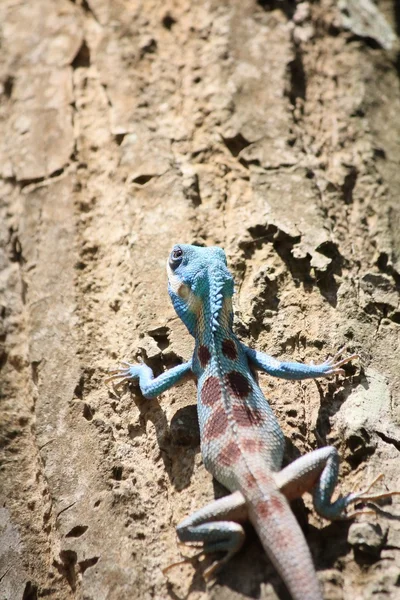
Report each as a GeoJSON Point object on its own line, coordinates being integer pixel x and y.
{"type": "Point", "coordinates": [214, 322]}
{"type": "Point", "coordinates": [204, 305]}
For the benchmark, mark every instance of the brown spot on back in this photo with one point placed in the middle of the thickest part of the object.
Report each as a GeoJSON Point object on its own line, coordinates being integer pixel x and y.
{"type": "Point", "coordinates": [204, 355]}
{"type": "Point", "coordinates": [252, 445]}
{"type": "Point", "coordinates": [229, 454]}
{"type": "Point", "coordinates": [245, 416]}
{"type": "Point", "coordinates": [276, 505]}
{"type": "Point", "coordinates": [229, 349]}
{"type": "Point", "coordinates": [263, 509]}
{"type": "Point", "coordinates": [238, 384]}
{"type": "Point", "coordinates": [211, 391]}
{"type": "Point", "coordinates": [250, 481]}
{"type": "Point", "coordinates": [264, 478]}
{"type": "Point", "coordinates": [217, 424]}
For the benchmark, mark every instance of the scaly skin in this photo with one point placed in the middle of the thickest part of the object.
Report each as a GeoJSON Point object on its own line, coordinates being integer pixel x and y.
{"type": "Point", "coordinates": [242, 443]}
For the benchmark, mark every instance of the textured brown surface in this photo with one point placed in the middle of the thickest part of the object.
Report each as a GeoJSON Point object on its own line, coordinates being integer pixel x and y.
{"type": "Point", "coordinates": [269, 128]}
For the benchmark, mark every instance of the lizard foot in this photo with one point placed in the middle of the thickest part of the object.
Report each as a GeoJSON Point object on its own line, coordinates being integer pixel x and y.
{"type": "Point", "coordinates": [209, 573]}
{"type": "Point", "coordinates": [186, 560]}
{"type": "Point", "coordinates": [334, 364]}
{"type": "Point", "coordinates": [225, 546]}
{"type": "Point", "coordinates": [121, 374]}
{"type": "Point", "coordinates": [221, 546]}
{"type": "Point", "coordinates": [366, 496]}
{"type": "Point", "coordinates": [216, 566]}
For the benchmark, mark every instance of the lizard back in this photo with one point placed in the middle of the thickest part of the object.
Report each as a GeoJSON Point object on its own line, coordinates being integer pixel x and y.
{"type": "Point", "coordinates": [240, 435]}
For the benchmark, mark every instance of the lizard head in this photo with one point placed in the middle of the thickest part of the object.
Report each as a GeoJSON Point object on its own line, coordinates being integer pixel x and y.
{"type": "Point", "coordinates": [199, 282]}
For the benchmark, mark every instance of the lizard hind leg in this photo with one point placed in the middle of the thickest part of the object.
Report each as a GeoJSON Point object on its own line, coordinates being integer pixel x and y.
{"type": "Point", "coordinates": [216, 527]}
{"type": "Point", "coordinates": [317, 472]}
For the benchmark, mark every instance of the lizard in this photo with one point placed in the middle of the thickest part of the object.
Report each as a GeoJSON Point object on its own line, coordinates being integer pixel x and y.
{"type": "Point", "coordinates": [242, 444]}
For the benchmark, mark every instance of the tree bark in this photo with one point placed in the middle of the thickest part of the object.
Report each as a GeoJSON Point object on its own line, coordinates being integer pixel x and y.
{"type": "Point", "coordinates": [269, 128]}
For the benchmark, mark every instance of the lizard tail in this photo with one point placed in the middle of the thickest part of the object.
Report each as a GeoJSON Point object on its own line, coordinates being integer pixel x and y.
{"type": "Point", "coordinates": [284, 543]}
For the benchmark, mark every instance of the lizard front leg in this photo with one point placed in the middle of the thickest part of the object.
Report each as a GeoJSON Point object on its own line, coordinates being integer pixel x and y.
{"type": "Point", "coordinates": [294, 370]}
{"type": "Point", "coordinates": [149, 386]}
{"type": "Point", "coordinates": [317, 472]}
{"type": "Point", "coordinates": [216, 526]}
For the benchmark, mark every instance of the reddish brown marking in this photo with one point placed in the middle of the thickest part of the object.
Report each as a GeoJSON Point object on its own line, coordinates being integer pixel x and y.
{"type": "Point", "coordinates": [276, 505]}
{"type": "Point", "coordinates": [250, 481]}
{"type": "Point", "coordinates": [263, 509]}
{"type": "Point", "coordinates": [229, 455]}
{"type": "Point", "coordinates": [238, 384]}
{"type": "Point", "coordinates": [217, 424]}
{"type": "Point", "coordinates": [229, 349]}
{"type": "Point", "coordinates": [211, 391]}
{"type": "Point", "coordinates": [251, 445]}
{"type": "Point", "coordinates": [263, 478]}
{"type": "Point", "coordinates": [245, 416]}
{"type": "Point", "coordinates": [204, 355]}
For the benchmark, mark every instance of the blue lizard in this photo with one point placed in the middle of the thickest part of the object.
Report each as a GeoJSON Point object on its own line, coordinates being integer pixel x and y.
{"type": "Point", "coordinates": [242, 443]}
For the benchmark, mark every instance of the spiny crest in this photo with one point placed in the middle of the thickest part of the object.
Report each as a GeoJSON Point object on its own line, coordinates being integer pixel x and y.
{"type": "Point", "coordinates": [218, 283]}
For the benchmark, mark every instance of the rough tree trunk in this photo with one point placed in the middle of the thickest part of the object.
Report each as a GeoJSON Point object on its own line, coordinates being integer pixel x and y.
{"type": "Point", "coordinates": [269, 128]}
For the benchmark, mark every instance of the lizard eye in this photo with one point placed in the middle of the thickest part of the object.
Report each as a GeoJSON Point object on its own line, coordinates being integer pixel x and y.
{"type": "Point", "coordinates": [175, 257]}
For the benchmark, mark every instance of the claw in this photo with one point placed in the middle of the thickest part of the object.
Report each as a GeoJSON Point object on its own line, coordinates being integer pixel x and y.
{"type": "Point", "coordinates": [345, 360]}
{"type": "Point", "coordinates": [335, 357]}
{"type": "Point", "coordinates": [335, 364]}
{"type": "Point", "coordinates": [365, 496]}
{"type": "Point", "coordinates": [371, 485]}
{"type": "Point", "coordinates": [118, 372]}
{"type": "Point", "coordinates": [121, 373]}
{"type": "Point", "coordinates": [210, 571]}
{"type": "Point", "coordinates": [357, 513]}
{"type": "Point", "coordinates": [184, 561]}
{"type": "Point", "coordinates": [213, 569]}
{"type": "Point", "coordinates": [121, 378]}
{"type": "Point", "coordinates": [336, 372]}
